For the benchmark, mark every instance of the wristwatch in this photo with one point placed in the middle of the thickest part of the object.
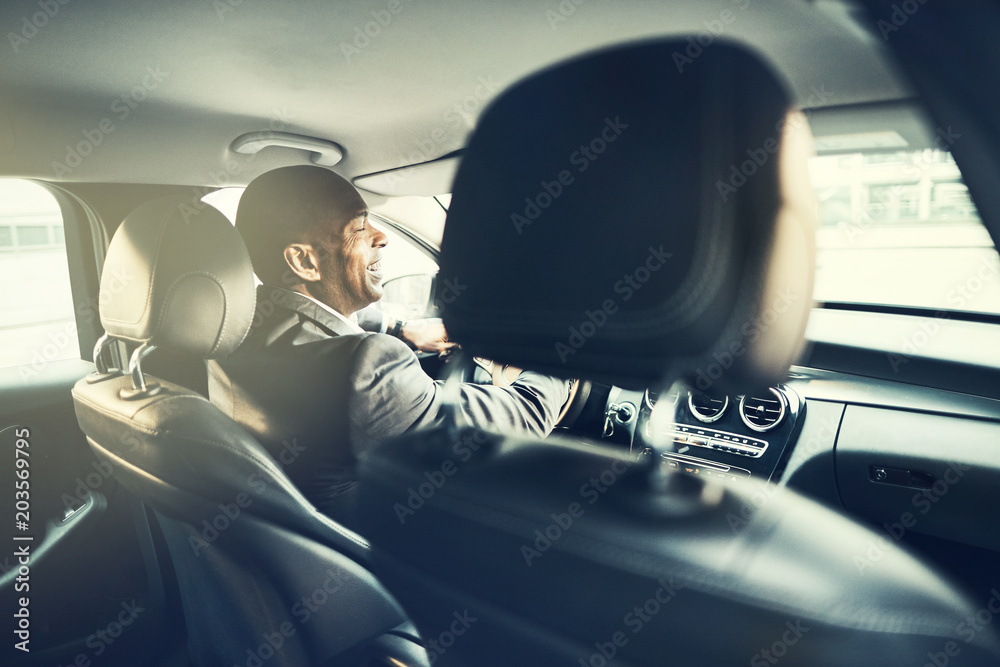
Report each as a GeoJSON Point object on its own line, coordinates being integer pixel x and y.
{"type": "Point", "coordinates": [397, 329]}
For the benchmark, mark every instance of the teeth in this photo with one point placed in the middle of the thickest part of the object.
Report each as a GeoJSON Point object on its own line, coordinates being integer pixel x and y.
{"type": "Point", "coordinates": [376, 267]}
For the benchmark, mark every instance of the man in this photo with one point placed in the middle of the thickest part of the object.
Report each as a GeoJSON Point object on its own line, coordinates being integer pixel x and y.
{"type": "Point", "coordinates": [308, 382]}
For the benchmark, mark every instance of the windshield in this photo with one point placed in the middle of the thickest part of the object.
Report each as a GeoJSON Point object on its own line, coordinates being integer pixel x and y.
{"type": "Point", "coordinates": [898, 228]}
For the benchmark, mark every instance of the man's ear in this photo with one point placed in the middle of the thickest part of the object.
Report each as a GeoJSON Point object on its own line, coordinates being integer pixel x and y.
{"type": "Point", "coordinates": [303, 260]}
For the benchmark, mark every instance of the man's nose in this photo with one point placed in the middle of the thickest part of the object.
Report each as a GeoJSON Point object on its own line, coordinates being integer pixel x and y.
{"type": "Point", "coordinates": [379, 239]}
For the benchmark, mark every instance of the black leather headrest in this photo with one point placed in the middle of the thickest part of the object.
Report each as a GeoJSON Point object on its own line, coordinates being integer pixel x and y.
{"type": "Point", "coordinates": [635, 212]}
{"type": "Point", "coordinates": [180, 278]}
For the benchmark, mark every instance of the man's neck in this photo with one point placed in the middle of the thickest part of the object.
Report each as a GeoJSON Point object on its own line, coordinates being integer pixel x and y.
{"type": "Point", "coordinates": [351, 320]}
{"type": "Point", "coordinates": [341, 310]}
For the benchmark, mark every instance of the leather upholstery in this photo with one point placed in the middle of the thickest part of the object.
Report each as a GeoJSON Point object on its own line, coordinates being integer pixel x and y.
{"type": "Point", "coordinates": [571, 553]}
{"type": "Point", "coordinates": [180, 438]}
{"type": "Point", "coordinates": [261, 571]}
{"type": "Point", "coordinates": [179, 278]}
{"type": "Point", "coordinates": [603, 191]}
{"type": "Point", "coordinates": [554, 546]}
{"type": "Point", "coordinates": [244, 543]}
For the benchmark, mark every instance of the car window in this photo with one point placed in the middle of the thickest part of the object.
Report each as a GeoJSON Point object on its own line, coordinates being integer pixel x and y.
{"type": "Point", "coordinates": [424, 215]}
{"type": "Point", "coordinates": [898, 228]}
{"type": "Point", "coordinates": [37, 319]}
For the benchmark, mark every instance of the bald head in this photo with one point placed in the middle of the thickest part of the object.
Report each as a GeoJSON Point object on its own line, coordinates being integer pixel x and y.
{"type": "Point", "coordinates": [299, 204]}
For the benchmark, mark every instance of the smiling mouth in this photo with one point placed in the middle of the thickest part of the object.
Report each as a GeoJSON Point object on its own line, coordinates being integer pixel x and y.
{"type": "Point", "coordinates": [375, 268]}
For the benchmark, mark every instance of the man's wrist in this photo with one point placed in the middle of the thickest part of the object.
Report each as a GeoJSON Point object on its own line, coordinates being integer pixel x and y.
{"type": "Point", "coordinates": [396, 329]}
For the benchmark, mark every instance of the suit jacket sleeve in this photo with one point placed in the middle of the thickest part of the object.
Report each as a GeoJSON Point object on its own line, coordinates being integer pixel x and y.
{"type": "Point", "coordinates": [391, 394]}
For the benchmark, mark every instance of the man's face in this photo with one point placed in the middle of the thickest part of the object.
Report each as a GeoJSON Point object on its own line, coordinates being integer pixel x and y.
{"type": "Point", "coordinates": [351, 261]}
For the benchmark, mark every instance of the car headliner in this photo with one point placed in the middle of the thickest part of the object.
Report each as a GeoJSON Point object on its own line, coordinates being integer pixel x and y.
{"type": "Point", "coordinates": [390, 97]}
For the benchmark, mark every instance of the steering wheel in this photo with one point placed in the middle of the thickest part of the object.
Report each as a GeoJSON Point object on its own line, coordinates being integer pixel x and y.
{"type": "Point", "coordinates": [504, 374]}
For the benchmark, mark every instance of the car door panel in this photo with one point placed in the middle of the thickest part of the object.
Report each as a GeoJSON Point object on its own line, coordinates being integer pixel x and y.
{"type": "Point", "coordinates": [98, 559]}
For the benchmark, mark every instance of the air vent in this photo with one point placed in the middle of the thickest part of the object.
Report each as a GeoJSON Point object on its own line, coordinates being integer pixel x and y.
{"type": "Point", "coordinates": [707, 408]}
{"type": "Point", "coordinates": [652, 397]}
{"type": "Point", "coordinates": [762, 413]}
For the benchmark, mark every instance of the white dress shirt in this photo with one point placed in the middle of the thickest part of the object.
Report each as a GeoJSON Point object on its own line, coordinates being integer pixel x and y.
{"type": "Point", "coordinates": [351, 321]}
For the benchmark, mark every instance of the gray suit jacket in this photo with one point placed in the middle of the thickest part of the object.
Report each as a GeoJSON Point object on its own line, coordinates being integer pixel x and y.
{"type": "Point", "coordinates": [316, 394]}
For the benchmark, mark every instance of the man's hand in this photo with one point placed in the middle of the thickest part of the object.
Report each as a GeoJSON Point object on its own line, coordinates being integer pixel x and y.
{"type": "Point", "coordinates": [427, 335]}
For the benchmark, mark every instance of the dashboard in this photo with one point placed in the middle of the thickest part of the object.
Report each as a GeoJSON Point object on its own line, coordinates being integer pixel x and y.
{"type": "Point", "coordinates": [913, 458]}
{"type": "Point", "coordinates": [711, 435]}
{"type": "Point", "coordinates": [889, 452]}
{"type": "Point", "coordinates": [919, 461]}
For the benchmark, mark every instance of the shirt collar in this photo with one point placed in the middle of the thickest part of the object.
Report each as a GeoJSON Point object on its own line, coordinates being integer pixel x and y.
{"type": "Point", "coordinates": [351, 321]}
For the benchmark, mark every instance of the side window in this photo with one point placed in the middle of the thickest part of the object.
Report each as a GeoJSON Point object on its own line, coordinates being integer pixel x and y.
{"type": "Point", "coordinates": [898, 228]}
{"type": "Point", "coordinates": [37, 320]}
{"type": "Point", "coordinates": [408, 278]}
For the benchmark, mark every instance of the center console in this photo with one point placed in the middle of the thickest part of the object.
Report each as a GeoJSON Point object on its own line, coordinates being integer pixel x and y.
{"type": "Point", "coordinates": [710, 435]}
